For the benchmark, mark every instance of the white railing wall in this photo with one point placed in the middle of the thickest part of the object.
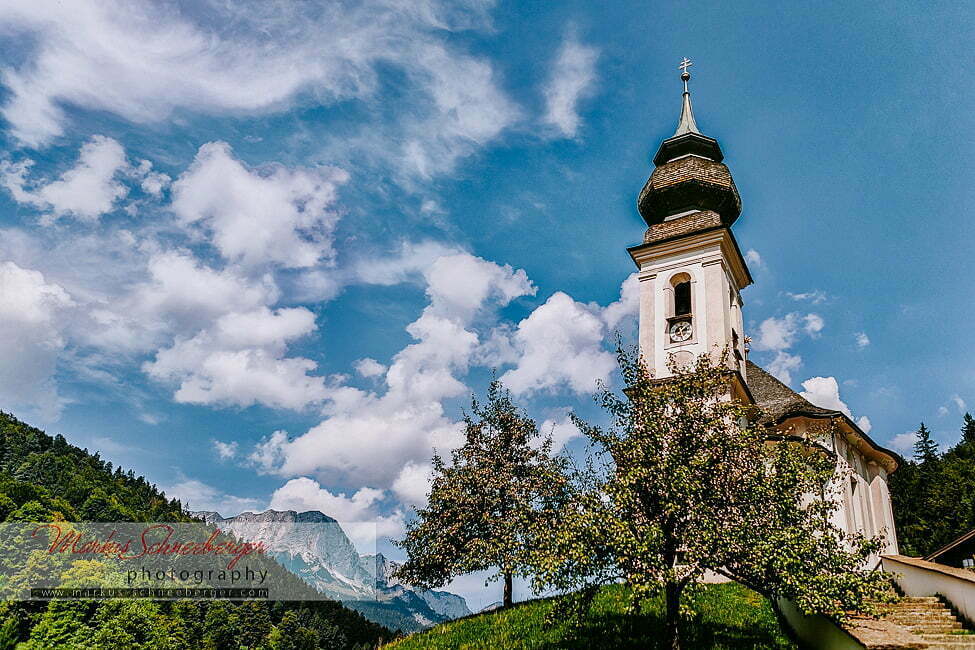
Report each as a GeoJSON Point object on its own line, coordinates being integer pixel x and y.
{"type": "Point", "coordinates": [918, 577]}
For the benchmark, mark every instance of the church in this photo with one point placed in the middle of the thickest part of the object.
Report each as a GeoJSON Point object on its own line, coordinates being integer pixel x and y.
{"type": "Point", "coordinates": [691, 274]}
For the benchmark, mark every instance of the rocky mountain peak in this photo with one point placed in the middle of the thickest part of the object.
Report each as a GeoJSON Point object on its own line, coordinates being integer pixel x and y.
{"type": "Point", "coordinates": [314, 547]}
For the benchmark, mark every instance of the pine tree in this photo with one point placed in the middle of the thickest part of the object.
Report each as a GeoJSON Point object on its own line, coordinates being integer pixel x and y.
{"type": "Point", "coordinates": [925, 449]}
{"type": "Point", "coordinates": [968, 430]}
{"type": "Point", "coordinates": [499, 486]}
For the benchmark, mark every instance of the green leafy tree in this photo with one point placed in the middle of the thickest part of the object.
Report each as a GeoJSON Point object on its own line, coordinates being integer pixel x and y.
{"type": "Point", "coordinates": [925, 449]}
{"type": "Point", "coordinates": [500, 485]}
{"type": "Point", "coordinates": [682, 485]}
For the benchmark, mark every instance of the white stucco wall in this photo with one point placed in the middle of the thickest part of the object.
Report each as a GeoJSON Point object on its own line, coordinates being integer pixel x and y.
{"type": "Point", "coordinates": [715, 299]}
{"type": "Point", "coordinates": [863, 497]}
{"type": "Point", "coordinates": [920, 578]}
{"type": "Point", "coordinates": [817, 631]}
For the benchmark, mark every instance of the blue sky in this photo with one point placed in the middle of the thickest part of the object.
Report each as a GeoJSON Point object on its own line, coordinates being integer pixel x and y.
{"type": "Point", "coordinates": [263, 254]}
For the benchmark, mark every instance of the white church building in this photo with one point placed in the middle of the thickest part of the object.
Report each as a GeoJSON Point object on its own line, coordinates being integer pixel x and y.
{"type": "Point", "coordinates": [691, 274]}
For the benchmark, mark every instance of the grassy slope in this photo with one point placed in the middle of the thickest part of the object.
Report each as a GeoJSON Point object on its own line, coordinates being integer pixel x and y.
{"type": "Point", "coordinates": [729, 616]}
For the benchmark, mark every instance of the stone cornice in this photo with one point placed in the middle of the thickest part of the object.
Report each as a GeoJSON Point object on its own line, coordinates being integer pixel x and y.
{"type": "Point", "coordinates": [718, 236]}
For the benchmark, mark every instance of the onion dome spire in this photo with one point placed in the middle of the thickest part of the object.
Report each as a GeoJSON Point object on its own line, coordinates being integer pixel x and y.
{"type": "Point", "coordinates": [689, 177]}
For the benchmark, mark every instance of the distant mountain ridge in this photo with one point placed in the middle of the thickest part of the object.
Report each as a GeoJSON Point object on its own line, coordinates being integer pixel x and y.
{"type": "Point", "coordinates": [324, 557]}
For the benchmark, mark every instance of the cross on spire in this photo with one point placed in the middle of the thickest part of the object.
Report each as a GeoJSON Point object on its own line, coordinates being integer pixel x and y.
{"type": "Point", "coordinates": [684, 74]}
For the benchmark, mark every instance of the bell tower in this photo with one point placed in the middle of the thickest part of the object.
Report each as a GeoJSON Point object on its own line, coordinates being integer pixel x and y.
{"type": "Point", "coordinates": [691, 270]}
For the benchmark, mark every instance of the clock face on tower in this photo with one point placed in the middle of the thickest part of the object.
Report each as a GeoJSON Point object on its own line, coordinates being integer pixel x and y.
{"type": "Point", "coordinates": [680, 331]}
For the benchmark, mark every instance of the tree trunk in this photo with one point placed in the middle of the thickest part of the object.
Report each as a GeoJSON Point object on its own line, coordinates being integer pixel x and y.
{"type": "Point", "coordinates": [672, 595]}
{"type": "Point", "coordinates": [507, 590]}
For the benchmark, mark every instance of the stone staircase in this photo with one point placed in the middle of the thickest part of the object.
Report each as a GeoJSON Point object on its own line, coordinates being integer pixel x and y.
{"type": "Point", "coordinates": [932, 622]}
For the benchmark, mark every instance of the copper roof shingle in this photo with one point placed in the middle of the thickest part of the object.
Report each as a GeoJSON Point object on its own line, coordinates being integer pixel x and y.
{"type": "Point", "coordinates": [778, 400]}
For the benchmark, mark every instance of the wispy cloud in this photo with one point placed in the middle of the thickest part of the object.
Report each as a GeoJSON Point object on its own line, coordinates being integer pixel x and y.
{"type": "Point", "coordinates": [573, 78]}
{"type": "Point", "coordinates": [956, 403]}
{"type": "Point", "coordinates": [753, 257]}
{"type": "Point", "coordinates": [903, 442]}
{"type": "Point", "coordinates": [959, 403]}
{"type": "Point", "coordinates": [815, 297]}
{"type": "Point", "coordinates": [153, 60]}
{"type": "Point", "coordinates": [197, 495]}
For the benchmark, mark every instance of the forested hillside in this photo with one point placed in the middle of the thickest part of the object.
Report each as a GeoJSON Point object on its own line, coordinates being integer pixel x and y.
{"type": "Point", "coordinates": [44, 478]}
{"type": "Point", "coordinates": [934, 494]}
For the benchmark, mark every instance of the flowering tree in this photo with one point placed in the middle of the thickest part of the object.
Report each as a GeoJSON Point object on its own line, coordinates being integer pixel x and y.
{"type": "Point", "coordinates": [683, 484]}
{"type": "Point", "coordinates": [500, 485]}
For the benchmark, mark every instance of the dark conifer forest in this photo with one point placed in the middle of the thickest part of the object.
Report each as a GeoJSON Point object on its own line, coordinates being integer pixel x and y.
{"type": "Point", "coordinates": [933, 493]}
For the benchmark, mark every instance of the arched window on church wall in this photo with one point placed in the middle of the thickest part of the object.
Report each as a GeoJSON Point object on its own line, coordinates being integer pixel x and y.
{"type": "Point", "coordinates": [680, 303]}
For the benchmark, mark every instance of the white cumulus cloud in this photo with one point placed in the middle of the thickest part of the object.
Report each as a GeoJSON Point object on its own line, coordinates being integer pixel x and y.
{"type": "Point", "coordinates": [276, 216]}
{"type": "Point", "coordinates": [825, 392]}
{"type": "Point", "coordinates": [86, 191]}
{"type": "Point", "coordinates": [561, 343]}
{"type": "Point", "coordinates": [369, 368]}
{"type": "Point", "coordinates": [627, 308]}
{"type": "Point", "coordinates": [359, 514]}
{"type": "Point", "coordinates": [242, 361]}
{"type": "Point", "coordinates": [413, 483]}
{"type": "Point", "coordinates": [815, 296]}
{"type": "Point", "coordinates": [407, 421]}
{"type": "Point", "coordinates": [197, 495]}
{"type": "Point", "coordinates": [783, 365]}
{"type": "Point", "coordinates": [562, 431]}
{"type": "Point", "coordinates": [959, 403]}
{"type": "Point", "coordinates": [753, 257]}
{"type": "Point", "coordinates": [778, 335]}
{"type": "Point", "coordinates": [31, 340]}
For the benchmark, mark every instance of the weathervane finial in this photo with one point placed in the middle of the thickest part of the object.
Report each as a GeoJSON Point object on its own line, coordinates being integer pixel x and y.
{"type": "Point", "coordinates": [684, 74]}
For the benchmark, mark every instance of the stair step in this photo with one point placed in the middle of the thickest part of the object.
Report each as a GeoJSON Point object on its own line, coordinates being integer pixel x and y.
{"type": "Point", "coordinates": [948, 631]}
{"type": "Point", "coordinates": [930, 620]}
{"type": "Point", "coordinates": [952, 641]}
{"type": "Point", "coordinates": [941, 620]}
